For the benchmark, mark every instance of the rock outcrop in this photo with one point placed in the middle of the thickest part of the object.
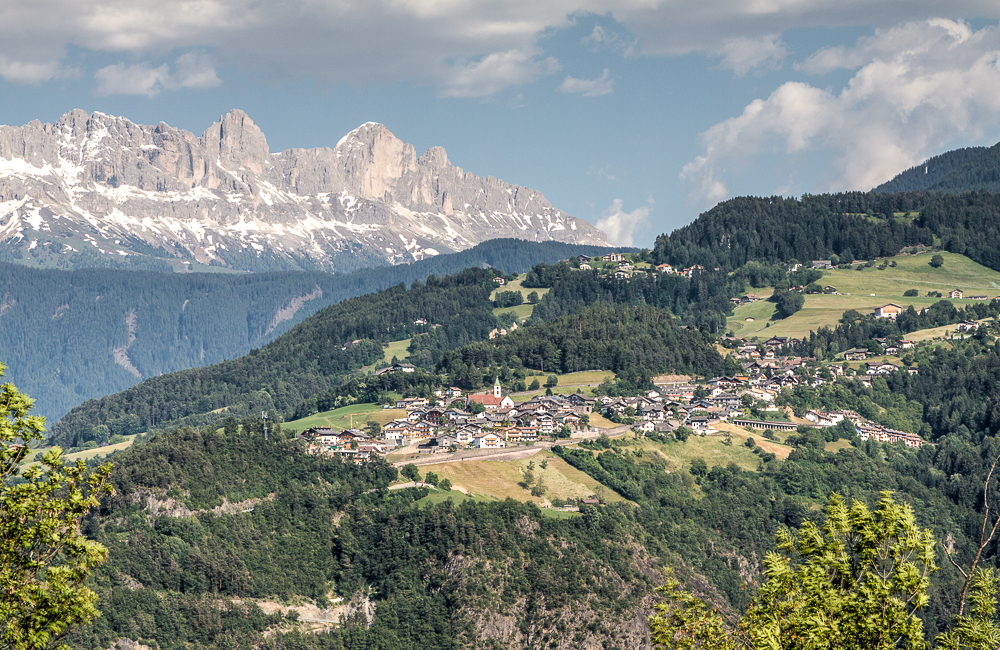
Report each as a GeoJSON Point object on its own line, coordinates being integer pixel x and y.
{"type": "Point", "coordinates": [102, 188]}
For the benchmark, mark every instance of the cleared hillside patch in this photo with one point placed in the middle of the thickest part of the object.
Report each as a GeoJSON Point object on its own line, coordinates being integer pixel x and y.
{"type": "Point", "coordinates": [342, 418]}
{"type": "Point", "coordinates": [865, 290]}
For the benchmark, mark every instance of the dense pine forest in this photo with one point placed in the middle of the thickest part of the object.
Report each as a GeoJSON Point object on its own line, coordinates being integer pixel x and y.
{"type": "Point", "coordinates": [850, 225]}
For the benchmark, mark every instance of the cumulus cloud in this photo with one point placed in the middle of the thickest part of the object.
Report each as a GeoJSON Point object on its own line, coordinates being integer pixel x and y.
{"type": "Point", "coordinates": [916, 88]}
{"type": "Point", "coordinates": [495, 72]}
{"type": "Point", "coordinates": [602, 85]}
{"type": "Point", "coordinates": [621, 226]}
{"type": "Point", "coordinates": [191, 70]}
{"type": "Point", "coordinates": [467, 47]}
{"type": "Point", "coordinates": [742, 55]}
{"type": "Point", "coordinates": [31, 73]}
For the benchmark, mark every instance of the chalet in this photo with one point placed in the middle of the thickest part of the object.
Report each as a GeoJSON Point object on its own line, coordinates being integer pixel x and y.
{"type": "Point", "coordinates": [489, 441]}
{"type": "Point", "coordinates": [410, 403]}
{"type": "Point", "coordinates": [968, 326]}
{"type": "Point", "coordinates": [613, 257]}
{"type": "Point", "coordinates": [664, 268]}
{"type": "Point", "coordinates": [499, 280]}
{"type": "Point", "coordinates": [583, 259]}
{"type": "Point", "coordinates": [891, 349]}
{"type": "Point", "coordinates": [822, 264]}
{"type": "Point", "coordinates": [856, 354]}
{"type": "Point", "coordinates": [585, 266]}
{"type": "Point", "coordinates": [749, 297]}
{"type": "Point", "coordinates": [453, 392]}
{"type": "Point", "coordinates": [625, 266]}
{"type": "Point", "coordinates": [321, 435]}
{"type": "Point", "coordinates": [906, 344]}
{"type": "Point", "coordinates": [691, 270]}
{"type": "Point", "coordinates": [890, 310]}
{"type": "Point", "coordinates": [955, 294]}
{"type": "Point", "coordinates": [777, 341]}
{"type": "Point", "coordinates": [402, 367]}
{"type": "Point", "coordinates": [646, 426]}
{"type": "Point", "coordinates": [621, 275]}
{"type": "Point", "coordinates": [420, 321]}
{"type": "Point", "coordinates": [437, 445]}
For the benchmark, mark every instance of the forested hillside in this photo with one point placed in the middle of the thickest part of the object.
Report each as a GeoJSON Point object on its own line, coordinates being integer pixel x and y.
{"type": "Point", "coordinates": [181, 574]}
{"type": "Point", "coordinates": [69, 336]}
{"type": "Point", "coordinates": [927, 174]}
{"type": "Point", "coordinates": [851, 225]}
{"type": "Point", "coordinates": [303, 362]}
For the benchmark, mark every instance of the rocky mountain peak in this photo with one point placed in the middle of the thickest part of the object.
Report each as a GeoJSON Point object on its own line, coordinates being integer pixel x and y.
{"type": "Point", "coordinates": [96, 186]}
{"type": "Point", "coordinates": [238, 142]}
{"type": "Point", "coordinates": [434, 158]}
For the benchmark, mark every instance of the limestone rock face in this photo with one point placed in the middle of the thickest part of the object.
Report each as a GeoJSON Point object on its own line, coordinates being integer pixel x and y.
{"type": "Point", "coordinates": [101, 189]}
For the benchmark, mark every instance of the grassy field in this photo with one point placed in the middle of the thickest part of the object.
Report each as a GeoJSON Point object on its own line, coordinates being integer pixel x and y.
{"type": "Point", "coordinates": [523, 311]}
{"type": "Point", "coordinates": [80, 455]}
{"type": "Point", "coordinates": [397, 349]}
{"type": "Point", "coordinates": [340, 419]}
{"type": "Point", "coordinates": [500, 479]}
{"type": "Point", "coordinates": [867, 289]}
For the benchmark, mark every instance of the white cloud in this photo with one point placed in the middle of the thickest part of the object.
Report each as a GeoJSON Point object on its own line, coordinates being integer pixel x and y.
{"type": "Point", "coordinates": [467, 47]}
{"type": "Point", "coordinates": [602, 85]}
{"type": "Point", "coordinates": [193, 70]}
{"type": "Point", "coordinates": [742, 55]}
{"type": "Point", "coordinates": [495, 72]}
{"type": "Point", "coordinates": [621, 226]}
{"type": "Point", "coordinates": [917, 87]}
{"type": "Point", "coordinates": [31, 73]}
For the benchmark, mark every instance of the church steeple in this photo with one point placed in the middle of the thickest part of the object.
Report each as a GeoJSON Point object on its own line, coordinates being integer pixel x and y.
{"type": "Point", "coordinates": [497, 390]}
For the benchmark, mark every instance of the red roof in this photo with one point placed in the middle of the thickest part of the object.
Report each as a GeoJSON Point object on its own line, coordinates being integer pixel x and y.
{"type": "Point", "coordinates": [486, 400]}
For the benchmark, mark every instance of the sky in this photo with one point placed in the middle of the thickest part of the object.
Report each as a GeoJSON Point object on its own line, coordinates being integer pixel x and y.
{"type": "Point", "coordinates": [635, 115]}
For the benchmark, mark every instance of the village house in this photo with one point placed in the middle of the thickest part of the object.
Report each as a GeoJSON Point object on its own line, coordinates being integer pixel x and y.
{"type": "Point", "coordinates": [955, 294]}
{"type": "Point", "coordinates": [890, 311]}
{"type": "Point", "coordinates": [585, 266]}
{"type": "Point", "coordinates": [856, 354]}
{"type": "Point", "coordinates": [489, 441]}
{"type": "Point", "coordinates": [664, 268]}
{"type": "Point", "coordinates": [613, 257]}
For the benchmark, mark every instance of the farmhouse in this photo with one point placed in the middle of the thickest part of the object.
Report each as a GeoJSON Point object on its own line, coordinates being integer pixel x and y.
{"type": "Point", "coordinates": [890, 311]}
{"type": "Point", "coordinates": [955, 294]}
{"type": "Point", "coordinates": [613, 257]}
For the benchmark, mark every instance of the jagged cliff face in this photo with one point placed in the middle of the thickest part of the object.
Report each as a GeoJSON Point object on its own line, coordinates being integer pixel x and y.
{"type": "Point", "coordinates": [98, 186]}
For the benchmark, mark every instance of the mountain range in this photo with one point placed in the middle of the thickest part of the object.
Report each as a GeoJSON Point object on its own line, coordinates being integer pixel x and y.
{"type": "Point", "coordinates": [97, 190]}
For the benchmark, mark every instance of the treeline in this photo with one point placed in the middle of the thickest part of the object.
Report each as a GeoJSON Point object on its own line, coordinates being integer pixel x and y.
{"type": "Point", "coordinates": [59, 330]}
{"type": "Point", "coordinates": [637, 342]}
{"type": "Point", "coordinates": [925, 176]}
{"type": "Point", "coordinates": [851, 225]}
{"type": "Point", "coordinates": [304, 362]}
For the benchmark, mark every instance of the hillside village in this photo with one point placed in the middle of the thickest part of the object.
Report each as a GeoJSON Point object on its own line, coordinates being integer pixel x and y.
{"type": "Point", "coordinates": [454, 420]}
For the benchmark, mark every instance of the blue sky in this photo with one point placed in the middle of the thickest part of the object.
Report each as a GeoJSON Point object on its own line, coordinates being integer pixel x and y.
{"type": "Point", "coordinates": [635, 115]}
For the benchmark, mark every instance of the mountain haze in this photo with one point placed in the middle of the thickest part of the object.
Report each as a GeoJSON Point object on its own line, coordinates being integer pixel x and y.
{"type": "Point", "coordinates": [99, 190]}
{"type": "Point", "coordinates": [69, 336]}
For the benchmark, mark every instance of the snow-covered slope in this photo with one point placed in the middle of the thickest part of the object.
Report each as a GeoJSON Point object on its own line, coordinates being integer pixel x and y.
{"type": "Point", "coordinates": [99, 190]}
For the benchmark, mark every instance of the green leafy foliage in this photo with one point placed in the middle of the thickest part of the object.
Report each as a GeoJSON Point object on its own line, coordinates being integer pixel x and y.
{"type": "Point", "coordinates": [45, 560]}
